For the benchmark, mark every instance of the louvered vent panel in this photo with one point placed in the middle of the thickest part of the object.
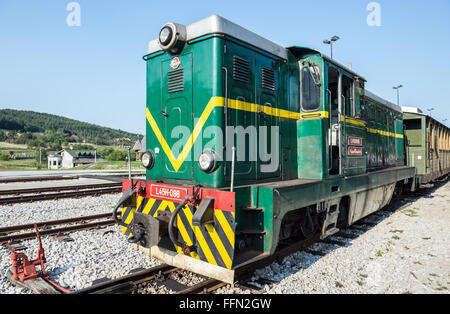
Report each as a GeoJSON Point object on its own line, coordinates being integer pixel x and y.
{"type": "Point", "coordinates": [241, 70]}
{"type": "Point", "coordinates": [176, 80]}
{"type": "Point", "coordinates": [268, 79]}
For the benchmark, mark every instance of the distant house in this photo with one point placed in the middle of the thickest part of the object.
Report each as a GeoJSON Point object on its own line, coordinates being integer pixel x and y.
{"type": "Point", "coordinates": [68, 158]}
{"type": "Point", "coordinates": [139, 148]}
{"type": "Point", "coordinates": [54, 161]}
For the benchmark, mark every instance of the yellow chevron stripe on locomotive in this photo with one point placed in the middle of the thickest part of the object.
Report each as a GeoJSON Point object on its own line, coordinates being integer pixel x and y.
{"type": "Point", "coordinates": [214, 241]}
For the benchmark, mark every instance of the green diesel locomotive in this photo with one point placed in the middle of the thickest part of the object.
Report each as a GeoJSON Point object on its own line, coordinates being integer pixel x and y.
{"type": "Point", "coordinates": [250, 144]}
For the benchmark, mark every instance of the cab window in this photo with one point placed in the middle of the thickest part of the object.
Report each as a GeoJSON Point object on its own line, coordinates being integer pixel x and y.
{"type": "Point", "coordinates": [310, 88]}
{"type": "Point", "coordinates": [347, 93]}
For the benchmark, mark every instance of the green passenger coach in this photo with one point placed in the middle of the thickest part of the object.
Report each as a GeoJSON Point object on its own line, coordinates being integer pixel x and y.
{"type": "Point", "coordinates": [250, 144]}
{"type": "Point", "coordinates": [428, 145]}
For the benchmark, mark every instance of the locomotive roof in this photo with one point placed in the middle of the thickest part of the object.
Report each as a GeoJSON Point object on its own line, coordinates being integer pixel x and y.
{"type": "Point", "coordinates": [216, 24]}
{"type": "Point", "coordinates": [382, 101]}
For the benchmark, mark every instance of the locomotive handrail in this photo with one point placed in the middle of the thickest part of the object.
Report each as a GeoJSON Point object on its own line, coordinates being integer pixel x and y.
{"type": "Point", "coordinates": [128, 194]}
{"type": "Point", "coordinates": [173, 234]}
{"type": "Point", "coordinates": [330, 133]}
{"type": "Point", "coordinates": [226, 103]}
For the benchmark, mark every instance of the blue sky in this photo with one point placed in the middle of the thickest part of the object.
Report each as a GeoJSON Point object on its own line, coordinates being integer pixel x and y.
{"type": "Point", "coordinates": [95, 72]}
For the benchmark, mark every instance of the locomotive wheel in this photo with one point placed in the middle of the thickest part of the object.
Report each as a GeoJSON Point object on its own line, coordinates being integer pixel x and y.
{"type": "Point", "coordinates": [343, 213]}
{"type": "Point", "coordinates": [307, 226]}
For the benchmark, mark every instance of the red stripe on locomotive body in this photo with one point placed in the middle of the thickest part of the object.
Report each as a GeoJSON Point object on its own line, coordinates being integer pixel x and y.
{"type": "Point", "coordinates": [224, 200]}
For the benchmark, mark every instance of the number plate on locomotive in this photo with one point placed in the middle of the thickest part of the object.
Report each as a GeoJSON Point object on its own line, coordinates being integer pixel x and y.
{"type": "Point", "coordinates": [168, 192]}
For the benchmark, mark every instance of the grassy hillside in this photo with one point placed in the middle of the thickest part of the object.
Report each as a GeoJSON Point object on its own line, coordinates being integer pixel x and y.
{"type": "Point", "coordinates": [27, 127]}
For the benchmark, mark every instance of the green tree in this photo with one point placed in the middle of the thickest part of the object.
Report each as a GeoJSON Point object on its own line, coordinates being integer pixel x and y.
{"type": "Point", "coordinates": [4, 157]}
{"type": "Point", "coordinates": [41, 153]}
{"type": "Point", "coordinates": [83, 147]}
{"type": "Point", "coordinates": [51, 125]}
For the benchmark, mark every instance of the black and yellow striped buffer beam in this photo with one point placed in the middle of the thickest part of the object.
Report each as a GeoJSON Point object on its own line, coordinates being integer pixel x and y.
{"type": "Point", "coordinates": [214, 242]}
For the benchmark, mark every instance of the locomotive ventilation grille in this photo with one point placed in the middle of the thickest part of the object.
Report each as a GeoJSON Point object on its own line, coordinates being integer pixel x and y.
{"type": "Point", "coordinates": [176, 80]}
{"type": "Point", "coordinates": [268, 79]}
{"type": "Point", "coordinates": [241, 70]}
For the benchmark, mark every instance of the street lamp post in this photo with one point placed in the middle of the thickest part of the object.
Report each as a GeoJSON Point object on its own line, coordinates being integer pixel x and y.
{"type": "Point", "coordinates": [430, 110]}
{"type": "Point", "coordinates": [398, 93]}
{"type": "Point", "coordinates": [330, 42]}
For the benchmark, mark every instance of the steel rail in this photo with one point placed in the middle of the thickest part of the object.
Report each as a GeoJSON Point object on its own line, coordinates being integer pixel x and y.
{"type": "Point", "coordinates": [42, 197]}
{"type": "Point", "coordinates": [49, 223]}
{"type": "Point", "coordinates": [56, 231]}
{"type": "Point", "coordinates": [29, 179]}
{"type": "Point", "coordinates": [58, 188]}
{"type": "Point", "coordinates": [205, 286]}
{"type": "Point", "coordinates": [127, 283]}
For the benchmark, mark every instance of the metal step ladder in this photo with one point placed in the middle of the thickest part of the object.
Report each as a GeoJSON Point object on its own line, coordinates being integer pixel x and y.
{"type": "Point", "coordinates": [329, 226]}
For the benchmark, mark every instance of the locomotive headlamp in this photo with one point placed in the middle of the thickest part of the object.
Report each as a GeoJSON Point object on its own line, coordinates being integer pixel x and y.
{"type": "Point", "coordinates": [172, 37]}
{"type": "Point", "coordinates": [165, 36]}
{"type": "Point", "coordinates": [207, 161]}
{"type": "Point", "coordinates": [148, 159]}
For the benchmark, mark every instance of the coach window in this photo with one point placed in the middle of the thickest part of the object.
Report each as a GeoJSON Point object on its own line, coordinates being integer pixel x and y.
{"type": "Point", "coordinates": [310, 87]}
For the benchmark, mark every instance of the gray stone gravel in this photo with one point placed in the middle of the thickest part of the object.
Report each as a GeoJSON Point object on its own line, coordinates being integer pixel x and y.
{"type": "Point", "coordinates": [408, 251]}
{"type": "Point", "coordinates": [74, 265]}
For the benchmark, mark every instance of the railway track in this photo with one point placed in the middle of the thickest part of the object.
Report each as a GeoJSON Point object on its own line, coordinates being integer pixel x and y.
{"type": "Point", "coordinates": [50, 193]}
{"type": "Point", "coordinates": [161, 274]}
{"type": "Point", "coordinates": [41, 178]}
{"type": "Point", "coordinates": [113, 177]}
{"type": "Point", "coordinates": [130, 282]}
{"type": "Point", "coordinates": [6, 238]}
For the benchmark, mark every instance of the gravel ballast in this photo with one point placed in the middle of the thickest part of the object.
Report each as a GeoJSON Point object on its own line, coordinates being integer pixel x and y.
{"type": "Point", "coordinates": [76, 264]}
{"type": "Point", "coordinates": [406, 251]}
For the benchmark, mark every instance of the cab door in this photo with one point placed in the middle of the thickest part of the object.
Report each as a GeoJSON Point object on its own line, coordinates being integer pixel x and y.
{"type": "Point", "coordinates": [176, 115]}
{"type": "Point", "coordinates": [267, 86]}
{"type": "Point", "coordinates": [354, 128]}
{"type": "Point", "coordinates": [240, 120]}
{"type": "Point", "coordinates": [334, 113]}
